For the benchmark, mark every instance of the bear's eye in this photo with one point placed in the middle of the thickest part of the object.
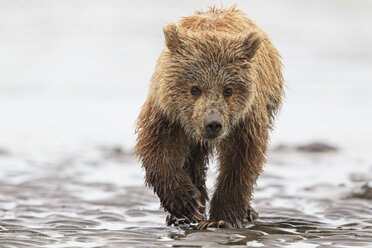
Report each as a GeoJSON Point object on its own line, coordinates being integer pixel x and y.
{"type": "Point", "coordinates": [227, 92]}
{"type": "Point", "coordinates": [196, 91]}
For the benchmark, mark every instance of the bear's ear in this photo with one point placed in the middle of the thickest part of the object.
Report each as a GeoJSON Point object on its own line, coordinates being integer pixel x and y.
{"type": "Point", "coordinates": [251, 43]}
{"type": "Point", "coordinates": [172, 37]}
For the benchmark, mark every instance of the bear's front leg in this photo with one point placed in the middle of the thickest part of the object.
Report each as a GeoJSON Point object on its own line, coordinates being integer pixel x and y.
{"type": "Point", "coordinates": [196, 167]}
{"type": "Point", "coordinates": [163, 150]}
{"type": "Point", "coordinates": [241, 157]}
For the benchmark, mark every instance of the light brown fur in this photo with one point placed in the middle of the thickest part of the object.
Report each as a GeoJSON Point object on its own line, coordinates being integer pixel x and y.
{"type": "Point", "coordinates": [213, 50]}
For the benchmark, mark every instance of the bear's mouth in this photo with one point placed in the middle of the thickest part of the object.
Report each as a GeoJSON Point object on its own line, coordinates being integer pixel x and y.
{"type": "Point", "coordinates": [212, 137]}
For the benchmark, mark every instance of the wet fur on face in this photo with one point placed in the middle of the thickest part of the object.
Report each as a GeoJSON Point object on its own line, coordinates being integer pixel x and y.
{"type": "Point", "coordinates": [211, 63]}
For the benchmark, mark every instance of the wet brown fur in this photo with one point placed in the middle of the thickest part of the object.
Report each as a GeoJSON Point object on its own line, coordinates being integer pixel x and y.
{"type": "Point", "coordinates": [214, 49]}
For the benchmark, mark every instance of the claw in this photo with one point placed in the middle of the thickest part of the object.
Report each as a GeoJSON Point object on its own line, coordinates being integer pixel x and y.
{"type": "Point", "coordinates": [200, 205]}
{"type": "Point", "coordinates": [198, 212]}
{"type": "Point", "coordinates": [202, 225]}
{"type": "Point", "coordinates": [252, 214]}
{"type": "Point", "coordinates": [211, 224]}
{"type": "Point", "coordinates": [196, 218]}
{"type": "Point", "coordinates": [205, 225]}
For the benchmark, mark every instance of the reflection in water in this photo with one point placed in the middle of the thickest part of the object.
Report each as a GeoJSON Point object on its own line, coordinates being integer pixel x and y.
{"type": "Point", "coordinates": [65, 204]}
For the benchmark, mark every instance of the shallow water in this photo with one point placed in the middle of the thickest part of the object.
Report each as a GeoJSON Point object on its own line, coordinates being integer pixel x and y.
{"type": "Point", "coordinates": [79, 202]}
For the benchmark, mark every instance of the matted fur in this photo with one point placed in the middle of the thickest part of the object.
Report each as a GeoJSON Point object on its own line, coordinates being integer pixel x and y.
{"type": "Point", "coordinates": [213, 50]}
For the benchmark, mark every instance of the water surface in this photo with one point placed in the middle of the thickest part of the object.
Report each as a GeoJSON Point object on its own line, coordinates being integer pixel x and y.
{"type": "Point", "coordinates": [97, 199]}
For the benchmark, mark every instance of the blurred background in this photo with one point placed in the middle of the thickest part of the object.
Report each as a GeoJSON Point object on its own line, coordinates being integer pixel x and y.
{"type": "Point", "coordinates": [75, 73]}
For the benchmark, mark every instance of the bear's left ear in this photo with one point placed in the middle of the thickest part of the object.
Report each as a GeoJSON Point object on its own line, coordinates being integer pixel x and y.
{"type": "Point", "coordinates": [172, 37]}
{"type": "Point", "coordinates": [251, 43]}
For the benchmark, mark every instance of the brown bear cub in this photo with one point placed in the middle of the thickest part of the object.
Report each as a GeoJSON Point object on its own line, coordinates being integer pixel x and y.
{"type": "Point", "coordinates": [216, 89]}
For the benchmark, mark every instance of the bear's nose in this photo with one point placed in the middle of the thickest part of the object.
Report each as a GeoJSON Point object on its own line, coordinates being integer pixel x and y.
{"type": "Point", "coordinates": [213, 125]}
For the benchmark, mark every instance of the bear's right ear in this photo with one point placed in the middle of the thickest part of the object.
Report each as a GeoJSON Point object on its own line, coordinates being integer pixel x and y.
{"type": "Point", "coordinates": [172, 37]}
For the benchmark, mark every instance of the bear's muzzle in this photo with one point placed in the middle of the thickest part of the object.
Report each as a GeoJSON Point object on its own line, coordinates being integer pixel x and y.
{"type": "Point", "coordinates": [212, 126]}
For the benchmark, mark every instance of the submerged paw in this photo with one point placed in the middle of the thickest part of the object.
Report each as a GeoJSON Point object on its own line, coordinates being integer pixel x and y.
{"type": "Point", "coordinates": [213, 224]}
{"type": "Point", "coordinates": [173, 220]}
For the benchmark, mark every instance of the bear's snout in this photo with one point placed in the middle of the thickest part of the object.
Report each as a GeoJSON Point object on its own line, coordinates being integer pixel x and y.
{"type": "Point", "coordinates": [212, 125]}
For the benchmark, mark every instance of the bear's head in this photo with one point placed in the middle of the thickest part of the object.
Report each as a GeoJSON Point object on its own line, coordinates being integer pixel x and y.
{"type": "Point", "coordinates": [206, 80]}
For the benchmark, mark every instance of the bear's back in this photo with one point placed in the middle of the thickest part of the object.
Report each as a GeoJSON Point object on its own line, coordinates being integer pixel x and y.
{"type": "Point", "coordinates": [232, 21]}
